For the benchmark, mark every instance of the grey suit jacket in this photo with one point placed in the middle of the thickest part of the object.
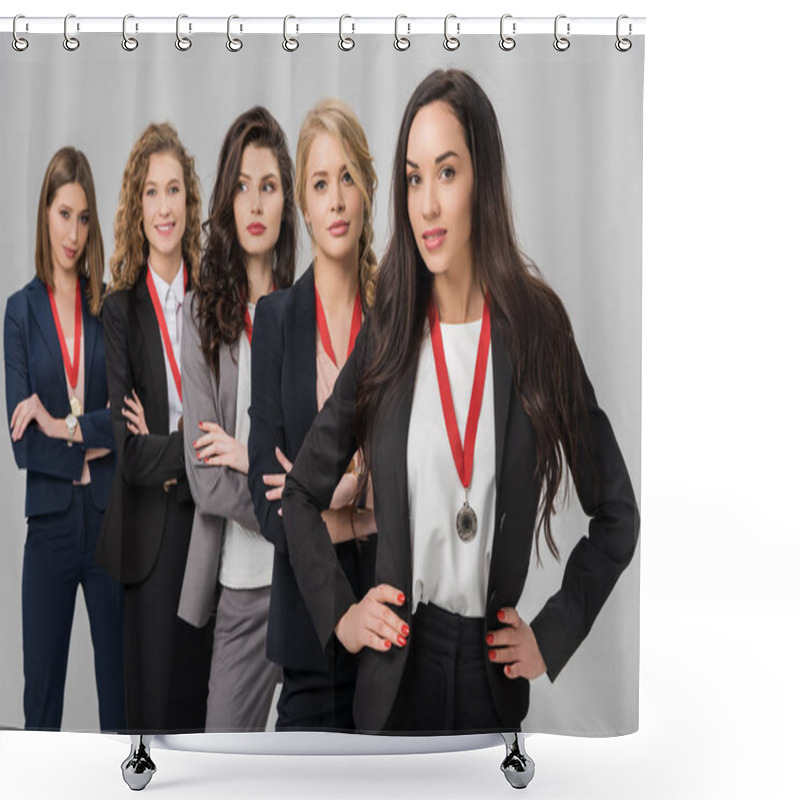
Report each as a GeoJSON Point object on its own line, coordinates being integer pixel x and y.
{"type": "Point", "coordinates": [220, 493]}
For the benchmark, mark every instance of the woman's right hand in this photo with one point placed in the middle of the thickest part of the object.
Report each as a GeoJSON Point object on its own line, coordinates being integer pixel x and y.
{"type": "Point", "coordinates": [371, 623]}
{"type": "Point", "coordinates": [133, 411]}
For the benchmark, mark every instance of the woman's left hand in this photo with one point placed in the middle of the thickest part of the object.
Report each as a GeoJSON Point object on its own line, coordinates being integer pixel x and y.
{"type": "Point", "coordinates": [133, 411]}
{"type": "Point", "coordinates": [30, 410]}
{"type": "Point", "coordinates": [515, 646]}
{"type": "Point", "coordinates": [219, 449]}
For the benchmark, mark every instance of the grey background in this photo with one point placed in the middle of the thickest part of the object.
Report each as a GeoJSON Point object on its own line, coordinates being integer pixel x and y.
{"type": "Point", "coordinates": [572, 127]}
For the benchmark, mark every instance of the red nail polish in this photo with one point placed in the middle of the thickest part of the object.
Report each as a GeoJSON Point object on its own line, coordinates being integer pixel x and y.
{"type": "Point", "coordinates": [401, 641]}
{"type": "Point", "coordinates": [205, 460]}
{"type": "Point", "coordinates": [501, 615]}
{"type": "Point", "coordinates": [492, 655]}
{"type": "Point", "coordinates": [489, 638]}
{"type": "Point", "coordinates": [401, 598]}
{"type": "Point", "coordinates": [405, 630]}
{"type": "Point", "coordinates": [387, 644]}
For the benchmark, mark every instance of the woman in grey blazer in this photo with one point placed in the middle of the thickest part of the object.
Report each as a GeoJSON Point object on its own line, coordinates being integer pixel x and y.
{"type": "Point", "coordinates": [250, 252]}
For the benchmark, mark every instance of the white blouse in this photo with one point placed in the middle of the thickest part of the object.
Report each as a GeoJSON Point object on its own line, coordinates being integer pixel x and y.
{"type": "Point", "coordinates": [246, 559]}
{"type": "Point", "coordinates": [446, 571]}
{"type": "Point", "coordinates": [171, 297]}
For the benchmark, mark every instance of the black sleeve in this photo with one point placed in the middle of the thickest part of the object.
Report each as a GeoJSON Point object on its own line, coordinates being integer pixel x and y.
{"type": "Point", "coordinates": [606, 495]}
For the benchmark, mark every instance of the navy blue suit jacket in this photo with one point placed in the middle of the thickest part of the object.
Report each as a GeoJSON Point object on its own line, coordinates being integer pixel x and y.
{"type": "Point", "coordinates": [282, 410]}
{"type": "Point", "coordinates": [34, 364]}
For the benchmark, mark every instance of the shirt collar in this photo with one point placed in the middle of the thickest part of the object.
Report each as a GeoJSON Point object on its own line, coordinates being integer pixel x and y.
{"type": "Point", "coordinates": [162, 287]}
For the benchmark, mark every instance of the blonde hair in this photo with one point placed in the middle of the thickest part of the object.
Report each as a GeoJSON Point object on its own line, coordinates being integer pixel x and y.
{"type": "Point", "coordinates": [69, 165]}
{"type": "Point", "coordinates": [336, 118]}
{"type": "Point", "coordinates": [131, 248]}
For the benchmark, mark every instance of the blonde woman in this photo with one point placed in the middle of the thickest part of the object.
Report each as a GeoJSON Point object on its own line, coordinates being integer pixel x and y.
{"type": "Point", "coordinates": [146, 530]}
{"type": "Point", "coordinates": [57, 398]}
{"type": "Point", "coordinates": [301, 339]}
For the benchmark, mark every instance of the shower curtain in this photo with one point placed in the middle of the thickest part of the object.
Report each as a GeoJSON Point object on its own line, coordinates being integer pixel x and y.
{"type": "Point", "coordinates": [571, 123]}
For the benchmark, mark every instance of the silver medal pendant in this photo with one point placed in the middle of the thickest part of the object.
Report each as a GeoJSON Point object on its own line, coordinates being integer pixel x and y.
{"type": "Point", "coordinates": [466, 523]}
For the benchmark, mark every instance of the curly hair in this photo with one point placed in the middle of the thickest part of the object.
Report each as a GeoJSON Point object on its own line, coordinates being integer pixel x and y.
{"type": "Point", "coordinates": [222, 281]}
{"type": "Point", "coordinates": [131, 248]}
{"type": "Point", "coordinates": [336, 118]}
{"type": "Point", "coordinates": [69, 165]}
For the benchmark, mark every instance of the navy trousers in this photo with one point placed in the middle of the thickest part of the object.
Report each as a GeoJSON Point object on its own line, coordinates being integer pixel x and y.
{"type": "Point", "coordinates": [59, 557]}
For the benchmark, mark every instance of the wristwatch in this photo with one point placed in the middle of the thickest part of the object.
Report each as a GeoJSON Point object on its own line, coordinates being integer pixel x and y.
{"type": "Point", "coordinates": [72, 424]}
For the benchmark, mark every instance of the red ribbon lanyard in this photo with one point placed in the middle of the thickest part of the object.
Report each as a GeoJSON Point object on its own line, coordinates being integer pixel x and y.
{"type": "Point", "coordinates": [71, 368]}
{"type": "Point", "coordinates": [248, 322]}
{"type": "Point", "coordinates": [322, 326]}
{"type": "Point", "coordinates": [248, 325]}
{"type": "Point", "coordinates": [462, 456]}
{"type": "Point", "coordinates": [162, 326]}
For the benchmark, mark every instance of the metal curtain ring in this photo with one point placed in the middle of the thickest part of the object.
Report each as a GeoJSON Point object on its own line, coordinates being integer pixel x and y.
{"type": "Point", "coordinates": [129, 43]}
{"type": "Point", "coordinates": [233, 44]}
{"type": "Point", "coordinates": [451, 42]}
{"type": "Point", "coordinates": [345, 42]}
{"type": "Point", "coordinates": [182, 42]}
{"type": "Point", "coordinates": [507, 42]}
{"type": "Point", "coordinates": [622, 44]}
{"type": "Point", "coordinates": [290, 44]}
{"type": "Point", "coordinates": [70, 42]}
{"type": "Point", "coordinates": [18, 43]}
{"type": "Point", "coordinates": [561, 43]}
{"type": "Point", "coordinates": [401, 42]}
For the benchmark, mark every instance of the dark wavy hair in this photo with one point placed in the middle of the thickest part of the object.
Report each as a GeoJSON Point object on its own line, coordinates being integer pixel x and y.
{"type": "Point", "coordinates": [527, 313]}
{"type": "Point", "coordinates": [223, 276]}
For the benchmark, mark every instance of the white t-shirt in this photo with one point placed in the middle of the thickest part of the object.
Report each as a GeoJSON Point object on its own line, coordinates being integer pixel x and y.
{"type": "Point", "coordinates": [246, 559]}
{"type": "Point", "coordinates": [446, 571]}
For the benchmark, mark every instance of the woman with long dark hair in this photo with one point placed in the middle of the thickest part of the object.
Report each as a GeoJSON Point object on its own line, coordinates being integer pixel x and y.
{"type": "Point", "coordinates": [57, 397]}
{"type": "Point", "coordinates": [469, 398]}
{"type": "Point", "coordinates": [250, 252]}
{"type": "Point", "coordinates": [301, 339]}
{"type": "Point", "coordinates": [146, 530]}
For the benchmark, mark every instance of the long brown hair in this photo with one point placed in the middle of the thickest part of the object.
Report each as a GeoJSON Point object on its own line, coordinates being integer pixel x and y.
{"type": "Point", "coordinates": [528, 314]}
{"type": "Point", "coordinates": [131, 248]}
{"type": "Point", "coordinates": [223, 275]}
{"type": "Point", "coordinates": [336, 118]}
{"type": "Point", "coordinates": [69, 165]}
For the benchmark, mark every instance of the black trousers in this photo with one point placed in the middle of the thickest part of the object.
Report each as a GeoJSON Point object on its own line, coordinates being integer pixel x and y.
{"type": "Point", "coordinates": [167, 661]}
{"type": "Point", "coordinates": [445, 688]}
{"type": "Point", "coordinates": [59, 557]}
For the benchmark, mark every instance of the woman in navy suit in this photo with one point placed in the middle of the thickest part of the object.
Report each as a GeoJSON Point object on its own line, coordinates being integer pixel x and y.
{"type": "Point", "coordinates": [57, 403]}
{"type": "Point", "coordinates": [301, 339]}
{"type": "Point", "coordinates": [468, 395]}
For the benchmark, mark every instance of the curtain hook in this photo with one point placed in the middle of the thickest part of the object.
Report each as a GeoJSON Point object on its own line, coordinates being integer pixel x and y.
{"type": "Point", "coordinates": [622, 44]}
{"type": "Point", "coordinates": [233, 44]}
{"type": "Point", "coordinates": [401, 42]}
{"type": "Point", "coordinates": [451, 42]}
{"type": "Point", "coordinates": [290, 44]}
{"type": "Point", "coordinates": [182, 42]}
{"type": "Point", "coordinates": [507, 42]}
{"type": "Point", "coordinates": [346, 42]}
{"type": "Point", "coordinates": [129, 43]}
{"type": "Point", "coordinates": [561, 43]}
{"type": "Point", "coordinates": [70, 42]}
{"type": "Point", "coordinates": [18, 43]}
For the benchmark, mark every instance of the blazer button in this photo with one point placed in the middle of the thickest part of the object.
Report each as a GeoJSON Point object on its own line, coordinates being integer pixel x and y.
{"type": "Point", "coordinates": [170, 483]}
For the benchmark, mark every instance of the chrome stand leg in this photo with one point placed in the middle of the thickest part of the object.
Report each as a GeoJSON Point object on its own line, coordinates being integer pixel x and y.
{"type": "Point", "coordinates": [138, 768]}
{"type": "Point", "coordinates": [518, 766]}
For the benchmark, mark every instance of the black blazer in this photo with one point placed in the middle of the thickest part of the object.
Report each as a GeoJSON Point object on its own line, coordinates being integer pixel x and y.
{"type": "Point", "coordinates": [591, 571]}
{"type": "Point", "coordinates": [134, 522]}
{"type": "Point", "coordinates": [33, 363]}
{"type": "Point", "coordinates": [282, 410]}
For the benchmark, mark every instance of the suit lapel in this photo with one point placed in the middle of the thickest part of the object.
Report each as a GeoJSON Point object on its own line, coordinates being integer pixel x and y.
{"type": "Point", "coordinates": [153, 355]}
{"type": "Point", "coordinates": [501, 369]}
{"type": "Point", "coordinates": [40, 307]}
{"type": "Point", "coordinates": [90, 327]}
{"type": "Point", "coordinates": [302, 347]}
{"type": "Point", "coordinates": [228, 385]}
